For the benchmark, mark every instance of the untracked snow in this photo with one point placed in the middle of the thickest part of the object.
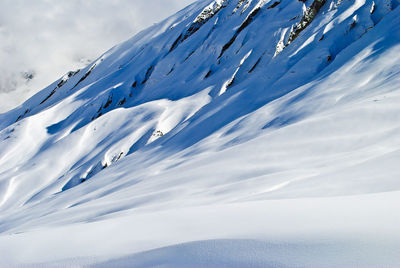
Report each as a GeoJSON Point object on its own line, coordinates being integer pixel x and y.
{"type": "Point", "coordinates": [234, 133]}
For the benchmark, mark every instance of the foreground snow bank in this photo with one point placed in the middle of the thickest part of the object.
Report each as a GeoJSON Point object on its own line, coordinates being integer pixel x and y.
{"type": "Point", "coordinates": [323, 232]}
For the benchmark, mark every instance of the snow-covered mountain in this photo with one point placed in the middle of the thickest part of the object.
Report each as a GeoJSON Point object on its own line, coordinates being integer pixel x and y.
{"type": "Point", "coordinates": [41, 39]}
{"type": "Point", "coordinates": [234, 133]}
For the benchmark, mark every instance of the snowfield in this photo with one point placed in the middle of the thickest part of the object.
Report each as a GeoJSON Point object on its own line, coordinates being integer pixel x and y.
{"type": "Point", "coordinates": [360, 231]}
{"type": "Point", "coordinates": [233, 134]}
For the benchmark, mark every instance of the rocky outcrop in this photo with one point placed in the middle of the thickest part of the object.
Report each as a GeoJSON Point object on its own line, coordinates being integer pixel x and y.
{"type": "Point", "coordinates": [207, 13]}
{"type": "Point", "coordinates": [307, 18]}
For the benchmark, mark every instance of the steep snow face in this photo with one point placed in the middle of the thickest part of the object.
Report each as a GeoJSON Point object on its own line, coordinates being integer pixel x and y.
{"type": "Point", "coordinates": [226, 101]}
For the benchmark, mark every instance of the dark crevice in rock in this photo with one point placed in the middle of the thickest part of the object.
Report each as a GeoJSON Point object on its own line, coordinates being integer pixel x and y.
{"type": "Point", "coordinates": [177, 42]}
{"type": "Point", "coordinates": [191, 53]}
{"type": "Point", "coordinates": [208, 74]}
{"type": "Point", "coordinates": [201, 19]}
{"type": "Point", "coordinates": [49, 96]}
{"type": "Point", "coordinates": [170, 71]}
{"type": "Point", "coordinates": [255, 65]}
{"type": "Point", "coordinates": [148, 74]}
{"type": "Point", "coordinates": [275, 4]}
{"type": "Point", "coordinates": [239, 5]}
{"type": "Point", "coordinates": [353, 25]}
{"type": "Point", "coordinates": [294, 18]}
{"type": "Point", "coordinates": [66, 78]}
{"type": "Point", "coordinates": [230, 83]}
{"type": "Point", "coordinates": [21, 116]}
{"type": "Point", "coordinates": [85, 76]}
{"type": "Point", "coordinates": [107, 105]}
{"type": "Point", "coordinates": [98, 114]}
{"type": "Point", "coordinates": [109, 101]}
{"type": "Point", "coordinates": [307, 18]}
{"type": "Point", "coordinates": [246, 23]}
{"type": "Point", "coordinates": [122, 102]}
{"type": "Point", "coordinates": [60, 84]}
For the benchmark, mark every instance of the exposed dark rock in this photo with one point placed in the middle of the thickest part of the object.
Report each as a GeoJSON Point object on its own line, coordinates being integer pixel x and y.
{"type": "Point", "coordinates": [148, 74]}
{"type": "Point", "coordinates": [191, 53]}
{"type": "Point", "coordinates": [20, 117]}
{"type": "Point", "coordinates": [209, 73]}
{"type": "Point", "coordinates": [276, 3]}
{"type": "Point", "coordinates": [201, 19]}
{"type": "Point", "coordinates": [255, 65]}
{"type": "Point", "coordinates": [307, 18]}
{"type": "Point", "coordinates": [353, 25]}
{"type": "Point", "coordinates": [66, 78]}
{"type": "Point", "coordinates": [158, 134]}
{"type": "Point", "coordinates": [246, 23]}
{"type": "Point", "coordinates": [122, 102]}
{"type": "Point", "coordinates": [373, 8]}
{"type": "Point", "coordinates": [239, 5]}
{"type": "Point", "coordinates": [230, 83]}
{"type": "Point", "coordinates": [294, 18]}
{"type": "Point", "coordinates": [109, 101]}
{"type": "Point", "coordinates": [85, 76]}
{"type": "Point", "coordinates": [172, 69]}
{"type": "Point", "coordinates": [177, 42]}
{"type": "Point", "coordinates": [49, 96]}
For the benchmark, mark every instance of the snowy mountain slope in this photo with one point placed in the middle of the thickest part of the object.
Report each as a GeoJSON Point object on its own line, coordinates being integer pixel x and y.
{"type": "Point", "coordinates": [224, 102]}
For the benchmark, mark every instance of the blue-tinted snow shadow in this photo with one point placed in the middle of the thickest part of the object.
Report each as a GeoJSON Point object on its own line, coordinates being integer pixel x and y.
{"type": "Point", "coordinates": [212, 253]}
{"type": "Point", "coordinates": [229, 108]}
{"type": "Point", "coordinates": [258, 253]}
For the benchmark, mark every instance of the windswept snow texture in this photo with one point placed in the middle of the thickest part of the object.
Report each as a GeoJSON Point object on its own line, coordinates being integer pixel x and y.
{"type": "Point", "coordinates": [235, 133]}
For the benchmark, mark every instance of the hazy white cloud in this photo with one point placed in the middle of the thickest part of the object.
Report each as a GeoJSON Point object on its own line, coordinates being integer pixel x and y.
{"type": "Point", "coordinates": [44, 39]}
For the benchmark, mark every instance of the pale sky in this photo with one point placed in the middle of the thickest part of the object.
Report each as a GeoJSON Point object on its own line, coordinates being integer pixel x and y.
{"type": "Point", "coordinates": [47, 38]}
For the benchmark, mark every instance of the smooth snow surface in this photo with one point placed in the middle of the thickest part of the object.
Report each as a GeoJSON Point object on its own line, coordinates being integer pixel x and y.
{"type": "Point", "coordinates": [234, 133]}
